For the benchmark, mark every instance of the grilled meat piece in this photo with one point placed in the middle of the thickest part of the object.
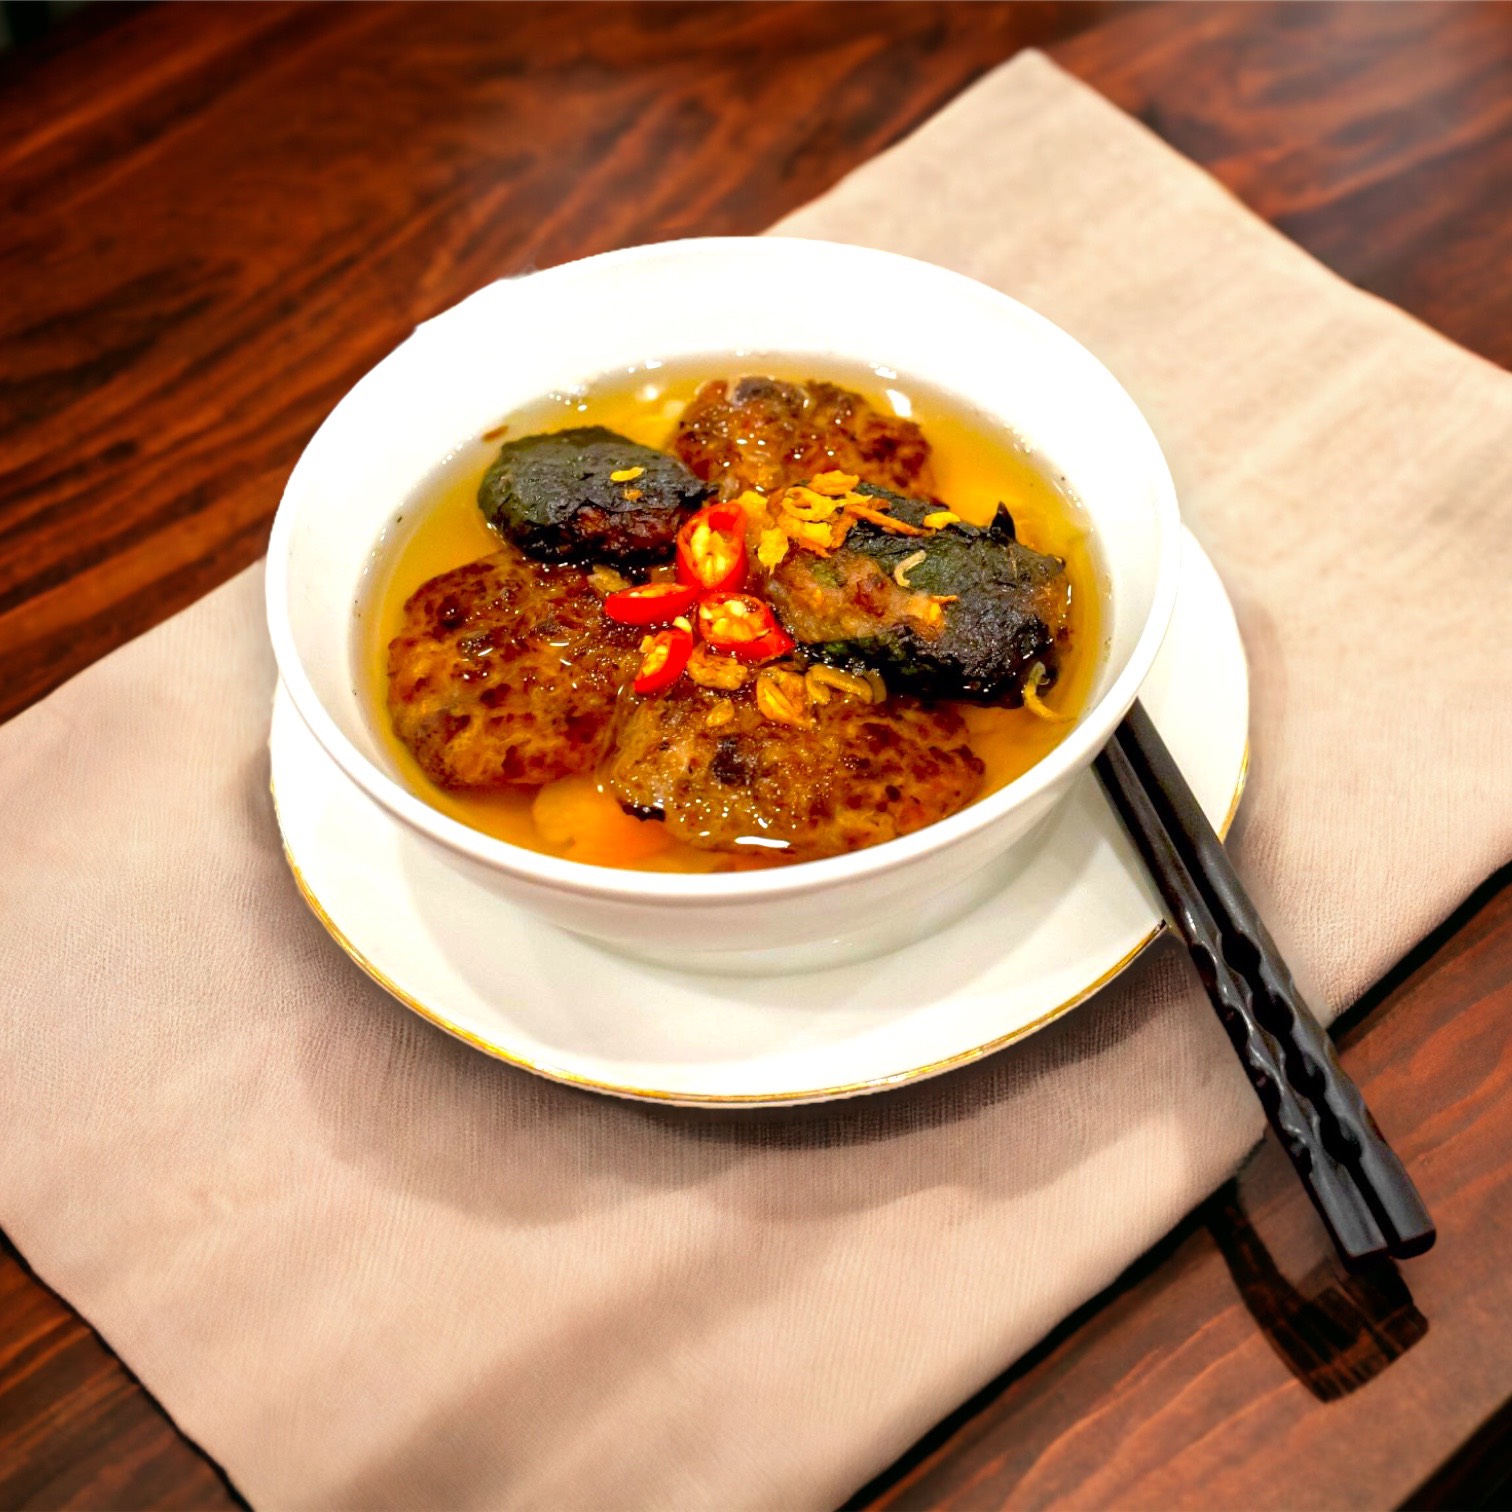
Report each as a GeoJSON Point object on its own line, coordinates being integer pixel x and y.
{"type": "Point", "coordinates": [556, 497]}
{"type": "Point", "coordinates": [857, 776]}
{"type": "Point", "coordinates": [506, 672]}
{"type": "Point", "coordinates": [1003, 605]}
{"type": "Point", "coordinates": [763, 433]}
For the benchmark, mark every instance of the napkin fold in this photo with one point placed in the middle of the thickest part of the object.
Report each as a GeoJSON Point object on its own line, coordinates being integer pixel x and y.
{"type": "Point", "coordinates": [363, 1265]}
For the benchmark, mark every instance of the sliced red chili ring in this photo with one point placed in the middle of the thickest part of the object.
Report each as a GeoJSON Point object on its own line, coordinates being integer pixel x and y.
{"type": "Point", "coordinates": [776, 642]}
{"type": "Point", "coordinates": [743, 625]}
{"type": "Point", "coordinates": [663, 660]}
{"type": "Point", "coordinates": [650, 603]}
{"type": "Point", "coordinates": [711, 549]}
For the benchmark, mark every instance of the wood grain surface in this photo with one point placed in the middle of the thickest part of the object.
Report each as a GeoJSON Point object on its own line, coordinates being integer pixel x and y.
{"type": "Point", "coordinates": [216, 217]}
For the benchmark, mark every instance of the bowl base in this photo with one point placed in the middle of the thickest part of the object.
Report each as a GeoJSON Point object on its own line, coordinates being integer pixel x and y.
{"type": "Point", "coordinates": [889, 933]}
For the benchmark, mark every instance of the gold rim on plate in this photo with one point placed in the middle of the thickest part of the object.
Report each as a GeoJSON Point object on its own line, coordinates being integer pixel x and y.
{"type": "Point", "coordinates": [739, 1099]}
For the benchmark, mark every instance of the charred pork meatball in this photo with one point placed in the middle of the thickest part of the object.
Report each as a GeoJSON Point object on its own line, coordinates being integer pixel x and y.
{"type": "Point", "coordinates": [763, 433]}
{"type": "Point", "coordinates": [588, 494]}
{"type": "Point", "coordinates": [724, 776]}
{"type": "Point", "coordinates": [960, 612]}
{"type": "Point", "coordinates": [506, 672]}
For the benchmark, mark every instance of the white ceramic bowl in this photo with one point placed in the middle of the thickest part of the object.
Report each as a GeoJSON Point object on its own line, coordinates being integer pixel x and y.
{"type": "Point", "coordinates": [516, 341]}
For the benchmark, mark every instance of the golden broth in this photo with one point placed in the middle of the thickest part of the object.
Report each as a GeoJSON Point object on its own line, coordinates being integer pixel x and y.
{"type": "Point", "coordinates": [975, 467]}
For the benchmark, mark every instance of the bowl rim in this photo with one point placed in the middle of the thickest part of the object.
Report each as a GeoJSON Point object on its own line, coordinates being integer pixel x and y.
{"type": "Point", "coordinates": [584, 879]}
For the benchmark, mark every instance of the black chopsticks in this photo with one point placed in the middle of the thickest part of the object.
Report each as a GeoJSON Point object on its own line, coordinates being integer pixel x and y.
{"type": "Point", "coordinates": [1359, 1186]}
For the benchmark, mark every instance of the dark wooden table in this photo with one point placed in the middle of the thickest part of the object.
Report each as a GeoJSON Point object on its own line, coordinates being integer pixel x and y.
{"type": "Point", "coordinates": [215, 218]}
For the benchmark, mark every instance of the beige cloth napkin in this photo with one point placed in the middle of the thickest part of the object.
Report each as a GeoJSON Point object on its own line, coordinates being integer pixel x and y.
{"type": "Point", "coordinates": [366, 1266]}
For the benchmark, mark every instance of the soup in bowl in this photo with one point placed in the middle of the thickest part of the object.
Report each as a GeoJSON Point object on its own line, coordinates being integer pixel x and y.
{"type": "Point", "coordinates": [722, 597]}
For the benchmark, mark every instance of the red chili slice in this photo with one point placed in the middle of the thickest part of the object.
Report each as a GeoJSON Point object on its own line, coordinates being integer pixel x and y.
{"type": "Point", "coordinates": [744, 626]}
{"type": "Point", "coordinates": [663, 660]}
{"type": "Point", "coordinates": [776, 642]}
{"type": "Point", "coordinates": [711, 549]}
{"type": "Point", "coordinates": [650, 603]}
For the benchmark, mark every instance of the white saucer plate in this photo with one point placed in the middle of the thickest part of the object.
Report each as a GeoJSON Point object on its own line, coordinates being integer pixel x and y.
{"type": "Point", "coordinates": [1073, 910]}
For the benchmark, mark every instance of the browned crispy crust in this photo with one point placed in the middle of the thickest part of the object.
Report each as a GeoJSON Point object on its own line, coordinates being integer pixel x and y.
{"type": "Point", "coordinates": [506, 673]}
{"type": "Point", "coordinates": [859, 775]}
{"type": "Point", "coordinates": [766, 434]}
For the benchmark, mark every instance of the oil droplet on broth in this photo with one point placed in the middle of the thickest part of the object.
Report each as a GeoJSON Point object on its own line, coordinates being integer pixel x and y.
{"type": "Point", "coordinates": [976, 466]}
